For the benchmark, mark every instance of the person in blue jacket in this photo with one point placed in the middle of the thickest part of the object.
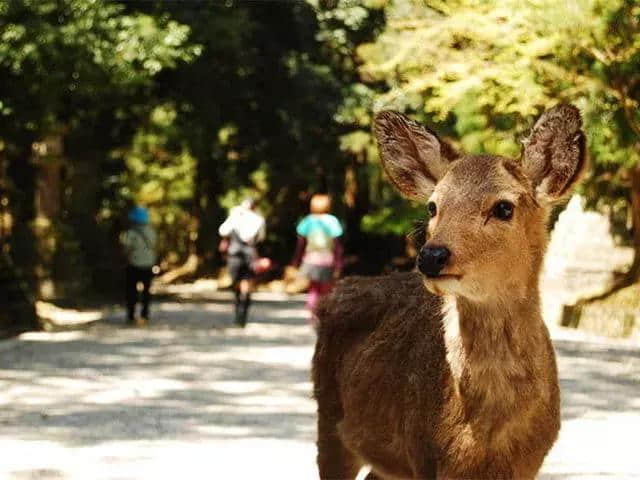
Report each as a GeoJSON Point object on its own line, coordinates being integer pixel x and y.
{"type": "Point", "coordinates": [139, 243]}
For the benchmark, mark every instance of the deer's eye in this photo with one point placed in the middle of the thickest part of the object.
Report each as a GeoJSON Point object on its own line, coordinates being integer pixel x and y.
{"type": "Point", "coordinates": [503, 210]}
{"type": "Point", "coordinates": [431, 208]}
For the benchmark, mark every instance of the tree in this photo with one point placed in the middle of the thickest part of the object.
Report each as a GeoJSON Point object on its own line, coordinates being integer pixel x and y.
{"type": "Point", "coordinates": [257, 109]}
{"type": "Point", "coordinates": [74, 73]}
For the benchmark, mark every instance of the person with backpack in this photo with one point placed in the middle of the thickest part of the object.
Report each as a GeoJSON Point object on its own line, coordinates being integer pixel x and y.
{"type": "Point", "coordinates": [319, 250]}
{"type": "Point", "coordinates": [243, 229]}
{"type": "Point", "coordinates": [139, 243]}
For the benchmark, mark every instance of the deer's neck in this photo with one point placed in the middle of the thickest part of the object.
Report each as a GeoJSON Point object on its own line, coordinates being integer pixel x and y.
{"type": "Point", "coordinates": [494, 350]}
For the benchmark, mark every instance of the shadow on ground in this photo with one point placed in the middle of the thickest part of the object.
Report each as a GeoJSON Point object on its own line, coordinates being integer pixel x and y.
{"type": "Point", "coordinates": [190, 374]}
{"type": "Point", "coordinates": [598, 378]}
{"type": "Point", "coordinates": [192, 387]}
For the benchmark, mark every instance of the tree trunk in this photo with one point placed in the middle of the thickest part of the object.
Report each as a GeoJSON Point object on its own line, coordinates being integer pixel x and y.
{"type": "Point", "coordinates": [21, 174]}
{"type": "Point", "coordinates": [17, 306]}
{"type": "Point", "coordinates": [18, 255]}
{"type": "Point", "coordinates": [357, 200]}
{"type": "Point", "coordinates": [633, 274]}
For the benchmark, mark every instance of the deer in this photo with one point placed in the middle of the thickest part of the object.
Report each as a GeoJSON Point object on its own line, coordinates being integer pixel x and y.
{"type": "Point", "coordinates": [448, 371]}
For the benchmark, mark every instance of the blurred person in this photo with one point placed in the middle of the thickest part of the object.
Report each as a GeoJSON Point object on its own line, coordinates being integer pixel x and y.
{"type": "Point", "coordinates": [319, 250]}
{"type": "Point", "coordinates": [243, 229]}
{"type": "Point", "coordinates": [139, 243]}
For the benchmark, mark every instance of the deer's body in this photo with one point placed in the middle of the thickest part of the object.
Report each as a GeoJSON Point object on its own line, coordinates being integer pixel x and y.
{"type": "Point", "coordinates": [450, 373]}
{"type": "Point", "coordinates": [390, 396]}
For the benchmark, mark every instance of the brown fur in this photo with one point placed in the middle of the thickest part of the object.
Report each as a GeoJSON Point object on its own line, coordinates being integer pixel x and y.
{"type": "Point", "coordinates": [458, 379]}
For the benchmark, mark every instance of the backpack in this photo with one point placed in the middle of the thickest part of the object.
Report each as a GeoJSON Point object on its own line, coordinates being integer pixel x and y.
{"type": "Point", "coordinates": [319, 239]}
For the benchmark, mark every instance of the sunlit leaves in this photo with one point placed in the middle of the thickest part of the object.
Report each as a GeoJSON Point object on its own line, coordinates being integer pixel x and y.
{"type": "Point", "coordinates": [497, 64]}
{"type": "Point", "coordinates": [475, 47]}
{"type": "Point", "coordinates": [52, 52]}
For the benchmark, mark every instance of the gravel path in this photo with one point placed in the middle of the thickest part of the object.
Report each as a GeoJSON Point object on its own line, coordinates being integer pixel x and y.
{"type": "Point", "coordinates": [189, 397]}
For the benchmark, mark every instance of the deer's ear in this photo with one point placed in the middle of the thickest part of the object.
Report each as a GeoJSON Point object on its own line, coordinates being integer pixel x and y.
{"type": "Point", "coordinates": [412, 156]}
{"type": "Point", "coordinates": [555, 152]}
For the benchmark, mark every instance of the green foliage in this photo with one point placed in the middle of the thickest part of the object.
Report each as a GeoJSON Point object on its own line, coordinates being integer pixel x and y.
{"type": "Point", "coordinates": [399, 219]}
{"type": "Point", "coordinates": [66, 52]}
{"type": "Point", "coordinates": [189, 109]}
{"type": "Point", "coordinates": [448, 51]}
{"type": "Point", "coordinates": [489, 67]}
{"type": "Point", "coordinates": [81, 71]}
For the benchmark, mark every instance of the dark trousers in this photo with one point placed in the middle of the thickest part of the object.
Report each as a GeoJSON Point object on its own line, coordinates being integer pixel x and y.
{"type": "Point", "coordinates": [134, 275]}
{"type": "Point", "coordinates": [243, 301]}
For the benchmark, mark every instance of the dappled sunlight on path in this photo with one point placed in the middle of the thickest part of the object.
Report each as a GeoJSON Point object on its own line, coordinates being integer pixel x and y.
{"type": "Point", "coordinates": [600, 382]}
{"type": "Point", "coordinates": [189, 394]}
{"type": "Point", "coordinates": [192, 397]}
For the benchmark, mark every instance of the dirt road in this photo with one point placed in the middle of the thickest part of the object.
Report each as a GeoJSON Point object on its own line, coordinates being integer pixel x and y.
{"type": "Point", "coordinates": [190, 398]}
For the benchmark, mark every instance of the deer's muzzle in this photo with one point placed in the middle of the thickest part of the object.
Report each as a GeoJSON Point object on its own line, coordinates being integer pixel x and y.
{"type": "Point", "coordinates": [432, 260]}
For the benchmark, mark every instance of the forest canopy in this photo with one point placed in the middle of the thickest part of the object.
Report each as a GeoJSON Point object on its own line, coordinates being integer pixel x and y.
{"type": "Point", "coordinates": [187, 107]}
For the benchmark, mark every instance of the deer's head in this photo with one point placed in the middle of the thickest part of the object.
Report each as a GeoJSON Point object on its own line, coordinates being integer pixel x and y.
{"type": "Point", "coordinates": [486, 233]}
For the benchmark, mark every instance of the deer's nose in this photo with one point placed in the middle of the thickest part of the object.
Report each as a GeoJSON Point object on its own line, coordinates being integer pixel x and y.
{"type": "Point", "coordinates": [432, 260]}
